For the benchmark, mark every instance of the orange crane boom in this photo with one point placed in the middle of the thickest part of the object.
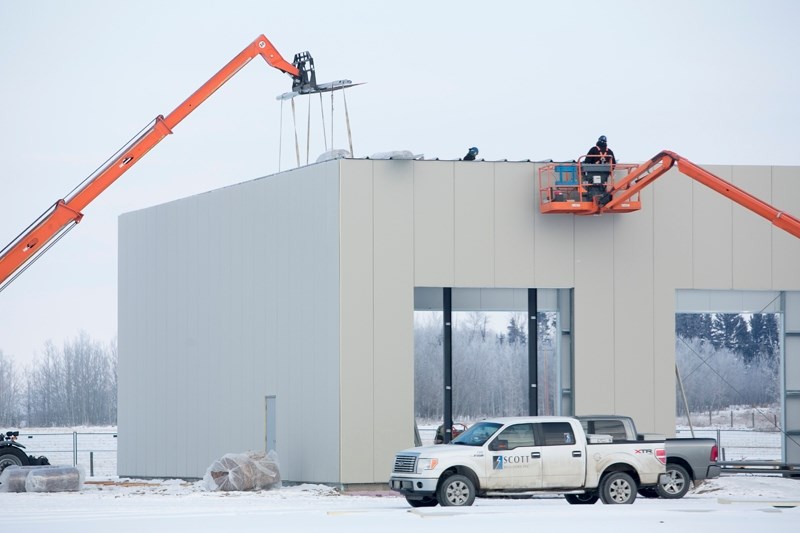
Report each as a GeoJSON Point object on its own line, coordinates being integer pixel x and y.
{"type": "Point", "coordinates": [647, 172]}
{"type": "Point", "coordinates": [65, 213]}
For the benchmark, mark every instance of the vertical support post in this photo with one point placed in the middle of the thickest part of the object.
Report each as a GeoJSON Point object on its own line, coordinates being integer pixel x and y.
{"type": "Point", "coordinates": [686, 403]}
{"type": "Point", "coordinates": [74, 448]}
{"type": "Point", "coordinates": [270, 423]}
{"type": "Point", "coordinates": [533, 355]}
{"type": "Point", "coordinates": [91, 464]}
{"type": "Point", "coordinates": [447, 314]}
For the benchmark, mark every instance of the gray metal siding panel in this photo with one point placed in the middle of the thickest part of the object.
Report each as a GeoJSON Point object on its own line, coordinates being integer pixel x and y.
{"type": "Point", "coordinates": [514, 207]}
{"type": "Point", "coordinates": [707, 301]}
{"type": "Point", "coordinates": [553, 246]}
{"type": "Point", "coordinates": [712, 234]}
{"type": "Point", "coordinates": [752, 243]}
{"type": "Point", "coordinates": [670, 198]}
{"type": "Point", "coordinates": [434, 219]}
{"type": "Point", "coordinates": [594, 314]}
{"type": "Point", "coordinates": [474, 224]}
{"type": "Point", "coordinates": [393, 340]}
{"type": "Point", "coordinates": [785, 248]}
{"type": "Point", "coordinates": [357, 327]}
{"type": "Point", "coordinates": [210, 335]}
{"type": "Point", "coordinates": [633, 303]}
{"type": "Point", "coordinates": [670, 202]}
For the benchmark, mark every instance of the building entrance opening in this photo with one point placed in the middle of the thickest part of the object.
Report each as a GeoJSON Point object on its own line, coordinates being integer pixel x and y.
{"type": "Point", "coordinates": [736, 361]}
{"type": "Point", "coordinates": [490, 356]}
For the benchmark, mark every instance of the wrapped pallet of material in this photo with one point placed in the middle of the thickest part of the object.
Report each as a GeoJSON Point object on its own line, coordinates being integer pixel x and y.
{"type": "Point", "coordinates": [396, 154]}
{"type": "Point", "coordinates": [337, 153]}
{"type": "Point", "coordinates": [55, 479]}
{"type": "Point", "coordinates": [13, 479]}
{"type": "Point", "coordinates": [243, 471]}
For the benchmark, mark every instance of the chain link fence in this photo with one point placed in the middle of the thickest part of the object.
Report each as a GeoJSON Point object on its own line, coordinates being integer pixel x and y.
{"type": "Point", "coordinates": [95, 451]}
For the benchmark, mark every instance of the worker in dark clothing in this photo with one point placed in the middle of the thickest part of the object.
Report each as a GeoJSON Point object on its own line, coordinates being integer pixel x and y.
{"type": "Point", "coordinates": [471, 153]}
{"type": "Point", "coordinates": [600, 153]}
{"type": "Point", "coordinates": [595, 178]}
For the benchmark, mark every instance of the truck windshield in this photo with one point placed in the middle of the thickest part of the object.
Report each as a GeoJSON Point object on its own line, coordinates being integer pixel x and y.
{"type": "Point", "coordinates": [478, 434]}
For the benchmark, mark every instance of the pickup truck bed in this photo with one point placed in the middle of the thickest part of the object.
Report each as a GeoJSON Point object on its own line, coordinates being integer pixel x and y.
{"type": "Point", "coordinates": [688, 460]}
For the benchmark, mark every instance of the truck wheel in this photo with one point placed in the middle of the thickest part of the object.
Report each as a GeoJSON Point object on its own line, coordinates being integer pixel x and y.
{"type": "Point", "coordinates": [617, 487]}
{"type": "Point", "coordinates": [427, 501]}
{"type": "Point", "coordinates": [677, 485]}
{"type": "Point", "coordinates": [10, 457]}
{"type": "Point", "coordinates": [456, 490]}
{"type": "Point", "coordinates": [587, 498]}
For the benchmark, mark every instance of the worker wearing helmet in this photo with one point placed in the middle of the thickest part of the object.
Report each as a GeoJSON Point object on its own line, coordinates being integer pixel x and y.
{"type": "Point", "coordinates": [600, 153]}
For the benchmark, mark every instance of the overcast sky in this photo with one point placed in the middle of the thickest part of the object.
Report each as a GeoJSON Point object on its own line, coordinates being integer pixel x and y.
{"type": "Point", "coordinates": [715, 81]}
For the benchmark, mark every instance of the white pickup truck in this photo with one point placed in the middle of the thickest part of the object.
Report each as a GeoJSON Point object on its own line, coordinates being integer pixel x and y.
{"type": "Point", "coordinates": [528, 454]}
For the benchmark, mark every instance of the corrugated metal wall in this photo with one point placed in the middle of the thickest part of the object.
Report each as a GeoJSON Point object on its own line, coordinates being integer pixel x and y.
{"type": "Point", "coordinates": [225, 298]}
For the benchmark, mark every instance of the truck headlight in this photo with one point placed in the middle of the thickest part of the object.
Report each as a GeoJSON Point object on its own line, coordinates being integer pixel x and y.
{"type": "Point", "coordinates": [426, 464]}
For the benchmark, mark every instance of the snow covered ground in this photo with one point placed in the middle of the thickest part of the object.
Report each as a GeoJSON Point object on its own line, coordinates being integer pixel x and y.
{"type": "Point", "coordinates": [119, 505]}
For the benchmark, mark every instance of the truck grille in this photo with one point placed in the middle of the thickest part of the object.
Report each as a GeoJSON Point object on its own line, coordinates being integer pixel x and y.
{"type": "Point", "coordinates": [405, 464]}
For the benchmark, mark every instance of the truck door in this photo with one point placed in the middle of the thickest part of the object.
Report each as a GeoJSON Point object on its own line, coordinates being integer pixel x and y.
{"type": "Point", "coordinates": [513, 459]}
{"type": "Point", "coordinates": [563, 459]}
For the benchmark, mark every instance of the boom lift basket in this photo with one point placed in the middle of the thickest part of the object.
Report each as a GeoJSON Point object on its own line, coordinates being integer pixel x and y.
{"type": "Point", "coordinates": [580, 188]}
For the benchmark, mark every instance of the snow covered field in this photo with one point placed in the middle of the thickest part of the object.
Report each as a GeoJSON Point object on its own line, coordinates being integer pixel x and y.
{"type": "Point", "coordinates": [111, 504]}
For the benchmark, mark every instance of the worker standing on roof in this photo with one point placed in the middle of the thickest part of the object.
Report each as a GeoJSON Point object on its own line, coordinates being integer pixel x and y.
{"type": "Point", "coordinates": [600, 153]}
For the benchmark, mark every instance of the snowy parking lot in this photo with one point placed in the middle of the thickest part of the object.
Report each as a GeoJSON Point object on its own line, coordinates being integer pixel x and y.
{"type": "Point", "coordinates": [730, 504]}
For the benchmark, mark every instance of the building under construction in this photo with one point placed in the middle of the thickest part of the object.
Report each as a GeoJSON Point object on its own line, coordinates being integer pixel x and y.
{"type": "Point", "coordinates": [278, 313]}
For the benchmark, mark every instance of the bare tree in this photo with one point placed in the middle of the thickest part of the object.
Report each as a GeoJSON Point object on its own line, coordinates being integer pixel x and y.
{"type": "Point", "coordinates": [489, 378]}
{"type": "Point", "coordinates": [10, 393]}
{"type": "Point", "coordinates": [73, 386]}
{"type": "Point", "coordinates": [716, 379]}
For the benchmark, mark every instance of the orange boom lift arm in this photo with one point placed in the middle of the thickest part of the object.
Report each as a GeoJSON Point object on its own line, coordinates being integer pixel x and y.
{"type": "Point", "coordinates": [647, 172]}
{"type": "Point", "coordinates": [65, 213]}
{"type": "Point", "coordinates": [581, 189]}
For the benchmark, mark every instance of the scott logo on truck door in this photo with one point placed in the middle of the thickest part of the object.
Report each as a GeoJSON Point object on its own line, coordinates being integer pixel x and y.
{"type": "Point", "coordinates": [499, 462]}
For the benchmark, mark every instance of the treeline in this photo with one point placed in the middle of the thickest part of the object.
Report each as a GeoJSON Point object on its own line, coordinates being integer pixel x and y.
{"type": "Point", "coordinates": [752, 338]}
{"type": "Point", "coordinates": [71, 386]}
{"type": "Point", "coordinates": [715, 379]}
{"type": "Point", "coordinates": [490, 368]}
{"type": "Point", "coordinates": [727, 359]}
